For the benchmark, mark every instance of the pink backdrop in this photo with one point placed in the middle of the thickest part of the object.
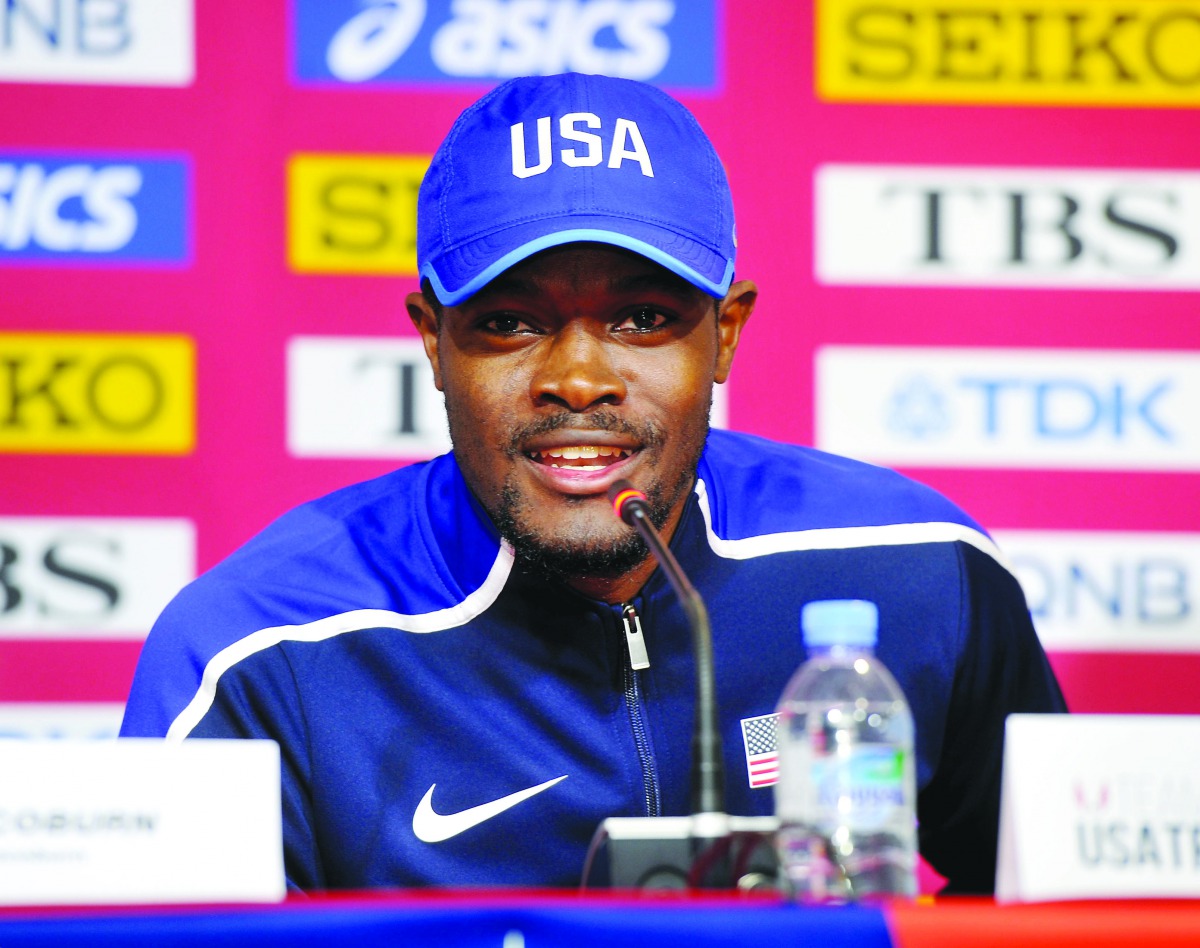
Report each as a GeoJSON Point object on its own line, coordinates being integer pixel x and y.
{"type": "Point", "coordinates": [243, 117]}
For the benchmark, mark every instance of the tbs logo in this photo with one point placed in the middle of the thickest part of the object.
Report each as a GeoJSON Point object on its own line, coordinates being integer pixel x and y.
{"type": "Point", "coordinates": [402, 41]}
{"type": "Point", "coordinates": [92, 208]}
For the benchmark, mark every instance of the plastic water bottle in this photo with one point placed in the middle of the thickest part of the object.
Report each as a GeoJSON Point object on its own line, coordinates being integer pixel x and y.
{"type": "Point", "coordinates": [846, 795]}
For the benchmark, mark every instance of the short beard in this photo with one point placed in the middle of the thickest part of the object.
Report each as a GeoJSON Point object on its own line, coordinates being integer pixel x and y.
{"type": "Point", "coordinates": [563, 560]}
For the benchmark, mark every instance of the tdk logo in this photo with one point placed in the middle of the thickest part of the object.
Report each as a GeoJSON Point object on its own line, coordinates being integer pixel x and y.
{"type": "Point", "coordinates": [1066, 409]}
{"type": "Point", "coordinates": [1054, 409]}
{"type": "Point", "coordinates": [669, 42]}
{"type": "Point", "coordinates": [89, 208]}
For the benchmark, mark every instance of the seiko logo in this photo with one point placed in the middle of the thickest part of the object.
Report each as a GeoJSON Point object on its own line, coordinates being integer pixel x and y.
{"type": "Point", "coordinates": [96, 393]}
{"type": "Point", "coordinates": [625, 143]}
{"type": "Point", "coordinates": [1101, 52]}
{"type": "Point", "coordinates": [957, 44]}
{"type": "Point", "coordinates": [1010, 408]}
{"type": "Point", "coordinates": [391, 40]}
{"type": "Point", "coordinates": [139, 42]}
{"type": "Point", "coordinates": [353, 213]}
{"type": "Point", "coordinates": [1005, 226]}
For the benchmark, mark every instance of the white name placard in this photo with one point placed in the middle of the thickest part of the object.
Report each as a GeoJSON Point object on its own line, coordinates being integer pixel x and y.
{"type": "Point", "coordinates": [1099, 806]}
{"type": "Point", "coordinates": [139, 821]}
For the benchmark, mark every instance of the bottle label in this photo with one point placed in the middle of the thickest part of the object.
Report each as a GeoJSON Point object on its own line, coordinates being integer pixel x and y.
{"type": "Point", "coordinates": [863, 789]}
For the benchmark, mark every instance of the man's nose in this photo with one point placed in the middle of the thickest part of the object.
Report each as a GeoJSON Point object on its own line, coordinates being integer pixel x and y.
{"type": "Point", "coordinates": [577, 371]}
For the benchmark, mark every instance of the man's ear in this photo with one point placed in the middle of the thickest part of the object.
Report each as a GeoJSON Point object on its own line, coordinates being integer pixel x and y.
{"type": "Point", "coordinates": [732, 314]}
{"type": "Point", "coordinates": [426, 320]}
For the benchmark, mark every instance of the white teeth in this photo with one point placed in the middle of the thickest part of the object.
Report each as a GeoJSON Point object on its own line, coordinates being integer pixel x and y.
{"type": "Point", "coordinates": [584, 451]}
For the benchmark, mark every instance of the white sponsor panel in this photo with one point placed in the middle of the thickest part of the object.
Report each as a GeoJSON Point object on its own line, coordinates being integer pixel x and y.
{"type": "Point", "coordinates": [1091, 590]}
{"type": "Point", "coordinates": [990, 226]}
{"type": "Point", "coordinates": [140, 821]}
{"type": "Point", "coordinates": [1099, 806]}
{"type": "Point", "coordinates": [61, 721]}
{"type": "Point", "coordinates": [90, 577]}
{"type": "Point", "coordinates": [114, 42]}
{"type": "Point", "coordinates": [1063, 409]}
{"type": "Point", "coordinates": [363, 397]}
{"type": "Point", "coordinates": [374, 398]}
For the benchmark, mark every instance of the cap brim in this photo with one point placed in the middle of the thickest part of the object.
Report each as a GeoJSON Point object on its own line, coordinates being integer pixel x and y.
{"type": "Point", "coordinates": [462, 271]}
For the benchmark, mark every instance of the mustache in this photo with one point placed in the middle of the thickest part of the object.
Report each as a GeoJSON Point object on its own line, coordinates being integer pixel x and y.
{"type": "Point", "coordinates": [648, 435]}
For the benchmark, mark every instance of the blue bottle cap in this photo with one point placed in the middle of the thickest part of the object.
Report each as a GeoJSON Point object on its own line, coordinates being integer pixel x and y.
{"type": "Point", "coordinates": [830, 622]}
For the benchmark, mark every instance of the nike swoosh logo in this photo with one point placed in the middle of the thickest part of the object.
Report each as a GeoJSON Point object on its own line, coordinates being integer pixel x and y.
{"type": "Point", "coordinates": [431, 827]}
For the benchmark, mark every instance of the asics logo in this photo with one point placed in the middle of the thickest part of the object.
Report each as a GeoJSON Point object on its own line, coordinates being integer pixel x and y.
{"type": "Point", "coordinates": [432, 827]}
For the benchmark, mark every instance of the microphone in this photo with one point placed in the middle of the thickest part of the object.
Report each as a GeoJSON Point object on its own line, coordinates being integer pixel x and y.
{"type": "Point", "coordinates": [708, 761]}
{"type": "Point", "coordinates": [709, 848]}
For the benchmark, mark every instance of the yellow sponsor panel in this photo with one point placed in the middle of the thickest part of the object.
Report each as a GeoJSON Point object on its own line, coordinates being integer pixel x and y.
{"type": "Point", "coordinates": [97, 394]}
{"type": "Point", "coordinates": [1050, 52]}
{"type": "Point", "coordinates": [354, 213]}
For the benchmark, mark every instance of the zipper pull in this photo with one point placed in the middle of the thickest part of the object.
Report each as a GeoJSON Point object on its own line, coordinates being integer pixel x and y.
{"type": "Point", "coordinates": [638, 657]}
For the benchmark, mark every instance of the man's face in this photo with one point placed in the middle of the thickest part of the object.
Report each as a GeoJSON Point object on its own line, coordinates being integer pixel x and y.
{"type": "Point", "coordinates": [579, 366]}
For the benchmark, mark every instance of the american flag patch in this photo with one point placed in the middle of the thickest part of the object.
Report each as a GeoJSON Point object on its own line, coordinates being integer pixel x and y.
{"type": "Point", "coordinates": [762, 754]}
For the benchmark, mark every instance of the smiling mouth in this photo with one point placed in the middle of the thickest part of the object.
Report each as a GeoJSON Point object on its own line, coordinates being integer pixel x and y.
{"type": "Point", "coordinates": [582, 457]}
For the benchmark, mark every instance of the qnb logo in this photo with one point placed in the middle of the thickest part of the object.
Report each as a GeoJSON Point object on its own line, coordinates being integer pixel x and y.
{"type": "Point", "coordinates": [480, 39]}
{"type": "Point", "coordinates": [97, 42]}
{"type": "Point", "coordinates": [75, 29]}
{"type": "Point", "coordinates": [626, 142]}
{"type": "Point", "coordinates": [77, 207]}
{"type": "Point", "coordinates": [1092, 590]}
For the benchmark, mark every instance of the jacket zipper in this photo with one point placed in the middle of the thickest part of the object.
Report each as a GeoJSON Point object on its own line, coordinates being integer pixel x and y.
{"type": "Point", "coordinates": [639, 660]}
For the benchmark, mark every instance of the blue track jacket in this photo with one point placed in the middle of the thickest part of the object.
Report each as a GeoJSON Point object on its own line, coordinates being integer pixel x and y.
{"type": "Point", "coordinates": [409, 673]}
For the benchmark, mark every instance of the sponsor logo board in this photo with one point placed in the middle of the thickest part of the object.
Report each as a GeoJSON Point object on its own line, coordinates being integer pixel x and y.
{"type": "Point", "coordinates": [1109, 591]}
{"type": "Point", "coordinates": [354, 213]}
{"type": "Point", "coordinates": [670, 42]}
{"type": "Point", "coordinates": [96, 394]}
{"type": "Point", "coordinates": [48, 720]}
{"type": "Point", "coordinates": [90, 577]}
{"type": "Point", "coordinates": [361, 397]}
{"type": "Point", "coordinates": [981, 226]}
{"type": "Point", "coordinates": [1010, 408]}
{"type": "Point", "coordinates": [1099, 53]}
{"type": "Point", "coordinates": [98, 42]}
{"type": "Point", "coordinates": [89, 208]}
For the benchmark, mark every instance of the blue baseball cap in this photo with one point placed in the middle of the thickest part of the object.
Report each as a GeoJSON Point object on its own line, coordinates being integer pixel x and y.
{"type": "Point", "coordinates": [547, 160]}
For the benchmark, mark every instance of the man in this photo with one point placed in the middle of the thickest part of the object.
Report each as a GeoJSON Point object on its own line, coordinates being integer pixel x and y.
{"type": "Point", "coordinates": [469, 663]}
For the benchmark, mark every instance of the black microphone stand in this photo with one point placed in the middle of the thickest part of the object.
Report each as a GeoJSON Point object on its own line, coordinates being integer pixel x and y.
{"type": "Point", "coordinates": [708, 849]}
{"type": "Point", "coordinates": [708, 763]}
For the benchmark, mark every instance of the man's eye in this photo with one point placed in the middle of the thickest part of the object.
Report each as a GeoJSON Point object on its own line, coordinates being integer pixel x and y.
{"type": "Point", "coordinates": [506, 324]}
{"type": "Point", "coordinates": [643, 320]}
